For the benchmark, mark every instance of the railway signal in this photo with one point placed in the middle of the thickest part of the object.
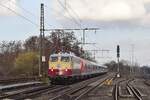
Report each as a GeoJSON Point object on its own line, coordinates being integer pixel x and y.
{"type": "Point", "coordinates": [118, 51]}
{"type": "Point", "coordinates": [118, 56]}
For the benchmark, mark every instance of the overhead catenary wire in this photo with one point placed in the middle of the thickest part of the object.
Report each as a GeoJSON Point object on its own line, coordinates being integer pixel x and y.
{"type": "Point", "coordinates": [73, 18]}
{"type": "Point", "coordinates": [100, 50]}
{"type": "Point", "coordinates": [20, 15]}
{"type": "Point", "coordinates": [27, 11]}
{"type": "Point", "coordinates": [52, 9]}
{"type": "Point", "coordinates": [31, 12]}
{"type": "Point", "coordinates": [73, 11]}
{"type": "Point", "coordinates": [68, 5]}
{"type": "Point", "coordinates": [60, 13]}
{"type": "Point", "coordinates": [34, 14]}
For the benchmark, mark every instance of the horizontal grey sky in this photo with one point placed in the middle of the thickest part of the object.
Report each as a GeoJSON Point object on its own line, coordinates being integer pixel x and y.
{"type": "Point", "coordinates": [123, 22]}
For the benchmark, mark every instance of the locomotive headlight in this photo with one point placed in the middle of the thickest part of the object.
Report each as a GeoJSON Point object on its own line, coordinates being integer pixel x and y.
{"type": "Point", "coordinates": [52, 69]}
{"type": "Point", "coordinates": [66, 69]}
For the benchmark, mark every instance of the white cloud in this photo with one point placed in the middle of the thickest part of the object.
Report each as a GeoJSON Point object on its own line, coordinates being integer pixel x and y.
{"type": "Point", "coordinates": [107, 10]}
{"type": "Point", "coordinates": [8, 4]}
{"type": "Point", "coordinates": [146, 1]}
{"type": "Point", "coordinates": [121, 10]}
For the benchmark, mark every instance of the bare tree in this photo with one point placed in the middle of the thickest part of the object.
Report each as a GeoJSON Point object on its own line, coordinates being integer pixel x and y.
{"type": "Point", "coordinates": [9, 50]}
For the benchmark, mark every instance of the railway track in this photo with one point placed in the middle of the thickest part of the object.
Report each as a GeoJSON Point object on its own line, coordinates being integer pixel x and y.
{"type": "Point", "coordinates": [116, 92]}
{"type": "Point", "coordinates": [133, 92]}
{"type": "Point", "coordinates": [101, 82]}
{"type": "Point", "coordinates": [18, 80]}
{"type": "Point", "coordinates": [31, 92]}
{"type": "Point", "coordinates": [75, 91]}
{"type": "Point", "coordinates": [81, 90]}
{"type": "Point", "coordinates": [122, 89]}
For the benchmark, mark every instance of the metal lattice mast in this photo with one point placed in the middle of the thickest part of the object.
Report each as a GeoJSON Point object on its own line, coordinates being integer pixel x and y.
{"type": "Point", "coordinates": [41, 37]}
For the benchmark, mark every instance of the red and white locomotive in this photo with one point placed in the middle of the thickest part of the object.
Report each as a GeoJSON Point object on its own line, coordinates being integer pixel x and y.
{"type": "Point", "coordinates": [64, 66]}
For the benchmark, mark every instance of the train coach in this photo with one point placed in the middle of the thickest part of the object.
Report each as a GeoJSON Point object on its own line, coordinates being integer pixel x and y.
{"type": "Point", "coordinates": [68, 67]}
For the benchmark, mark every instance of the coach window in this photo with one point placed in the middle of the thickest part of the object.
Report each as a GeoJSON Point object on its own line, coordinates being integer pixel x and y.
{"type": "Point", "coordinates": [65, 59]}
{"type": "Point", "coordinates": [54, 59]}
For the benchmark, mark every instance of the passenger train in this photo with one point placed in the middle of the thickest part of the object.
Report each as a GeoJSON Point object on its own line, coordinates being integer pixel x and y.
{"type": "Point", "coordinates": [68, 67]}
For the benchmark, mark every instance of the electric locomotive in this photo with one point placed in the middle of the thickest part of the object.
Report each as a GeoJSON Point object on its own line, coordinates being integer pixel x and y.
{"type": "Point", "coordinates": [68, 67]}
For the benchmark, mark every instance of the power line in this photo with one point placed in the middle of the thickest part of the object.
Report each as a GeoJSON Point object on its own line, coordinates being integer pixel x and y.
{"type": "Point", "coordinates": [25, 18]}
{"type": "Point", "coordinates": [27, 11]}
{"type": "Point", "coordinates": [99, 50]}
{"type": "Point", "coordinates": [74, 19]}
{"type": "Point", "coordinates": [30, 12]}
{"type": "Point", "coordinates": [59, 14]}
{"type": "Point", "coordinates": [71, 29]}
{"type": "Point", "coordinates": [67, 4]}
{"type": "Point", "coordinates": [22, 8]}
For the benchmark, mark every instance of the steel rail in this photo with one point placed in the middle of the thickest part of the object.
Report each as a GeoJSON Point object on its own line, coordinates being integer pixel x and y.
{"type": "Point", "coordinates": [135, 92]}
{"type": "Point", "coordinates": [116, 92]}
{"type": "Point", "coordinates": [31, 92]}
{"type": "Point", "coordinates": [90, 89]}
{"type": "Point", "coordinates": [74, 90]}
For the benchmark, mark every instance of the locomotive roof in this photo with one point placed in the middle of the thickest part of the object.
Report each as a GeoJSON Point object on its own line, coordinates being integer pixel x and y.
{"type": "Point", "coordinates": [62, 54]}
{"type": "Point", "coordinates": [72, 55]}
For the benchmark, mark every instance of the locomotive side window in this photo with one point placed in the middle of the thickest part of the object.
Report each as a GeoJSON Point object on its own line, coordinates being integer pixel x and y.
{"type": "Point", "coordinates": [65, 59]}
{"type": "Point", "coordinates": [54, 59]}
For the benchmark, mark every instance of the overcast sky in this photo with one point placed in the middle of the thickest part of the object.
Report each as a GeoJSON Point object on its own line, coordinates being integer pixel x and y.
{"type": "Point", "coordinates": [123, 22]}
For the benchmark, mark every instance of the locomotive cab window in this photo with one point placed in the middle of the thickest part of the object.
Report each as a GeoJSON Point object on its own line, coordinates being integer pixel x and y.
{"type": "Point", "coordinates": [65, 59]}
{"type": "Point", "coordinates": [54, 59]}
